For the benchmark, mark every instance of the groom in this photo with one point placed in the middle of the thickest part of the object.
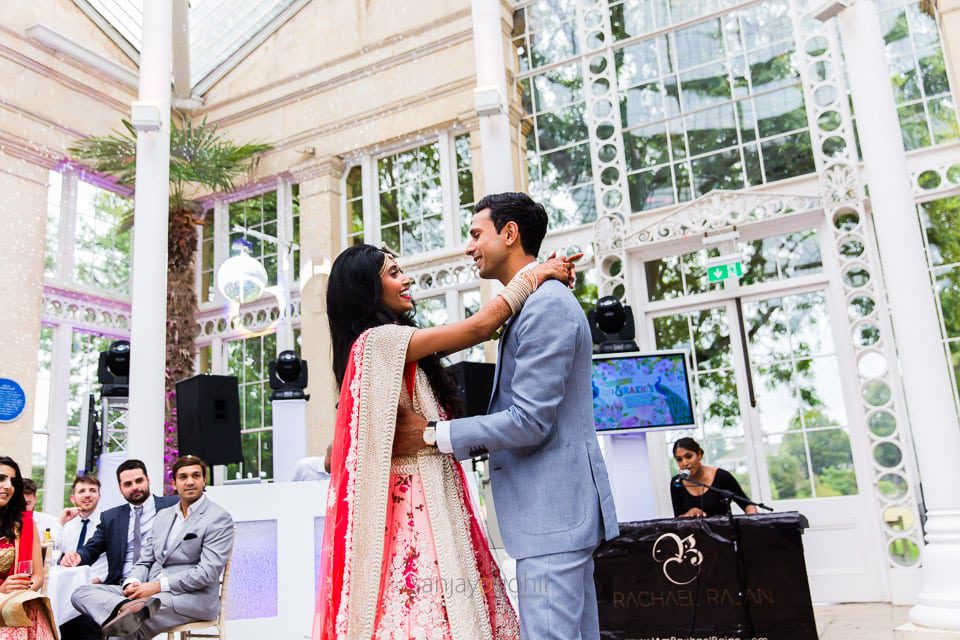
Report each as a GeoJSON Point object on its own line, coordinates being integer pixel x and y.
{"type": "Point", "coordinates": [550, 484]}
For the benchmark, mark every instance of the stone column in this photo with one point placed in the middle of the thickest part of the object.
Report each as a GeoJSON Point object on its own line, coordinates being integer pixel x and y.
{"type": "Point", "coordinates": [320, 213]}
{"type": "Point", "coordinates": [926, 381]}
{"type": "Point", "coordinates": [148, 323]}
{"type": "Point", "coordinates": [54, 477]}
{"type": "Point", "coordinates": [23, 213]}
{"type": "Point", "coordinates": [493, 96]}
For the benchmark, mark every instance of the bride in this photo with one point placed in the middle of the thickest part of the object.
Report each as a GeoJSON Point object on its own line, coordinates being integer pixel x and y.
{"type": "Point", "coordinates": [404, 555]}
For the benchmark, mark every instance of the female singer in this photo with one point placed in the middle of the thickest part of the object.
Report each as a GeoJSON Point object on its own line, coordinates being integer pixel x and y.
{"type": "Point", "coordinates": [691, 500]}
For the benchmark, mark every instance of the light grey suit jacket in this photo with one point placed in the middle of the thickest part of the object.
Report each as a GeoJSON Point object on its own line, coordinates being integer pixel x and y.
{"type": "Point", "coordinates": [195, 562]}
{"type": "Point", "coordinates": [550, 485]}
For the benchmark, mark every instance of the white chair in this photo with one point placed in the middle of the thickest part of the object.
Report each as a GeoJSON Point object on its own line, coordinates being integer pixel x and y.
{"type": "Point", "coordinates": [191, 629]}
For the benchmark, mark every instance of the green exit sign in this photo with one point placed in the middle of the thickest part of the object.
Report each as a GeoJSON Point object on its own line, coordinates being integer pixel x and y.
{"type": "Point", "coordinates": [720, 272]}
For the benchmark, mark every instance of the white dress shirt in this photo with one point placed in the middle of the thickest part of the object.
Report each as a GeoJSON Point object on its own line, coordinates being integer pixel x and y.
{"type": "Point", "coordinates": [444, 444]}
{"type": "Point", "coordinates": [179, 521]}
{"type": "Point", "coordinates": [146, 526]}
{"type": "Point", "coordinates": [70, 538]}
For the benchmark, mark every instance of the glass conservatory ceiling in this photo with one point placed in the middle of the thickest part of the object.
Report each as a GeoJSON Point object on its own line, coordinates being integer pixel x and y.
{"type": "Point", "coordinates": [221, 32]}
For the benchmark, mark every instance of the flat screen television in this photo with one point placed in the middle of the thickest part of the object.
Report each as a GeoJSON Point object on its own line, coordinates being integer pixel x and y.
{"type": "Point", "coordinates": [638, 392]}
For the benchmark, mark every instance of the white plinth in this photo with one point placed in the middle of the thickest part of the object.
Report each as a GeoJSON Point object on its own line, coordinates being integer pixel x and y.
{"type": "Point", "coordinates": [272, 589]}
{"type": "Point", "coordinates": [628, 465]}
{"type": "Point", "coordinates": [289, 436]}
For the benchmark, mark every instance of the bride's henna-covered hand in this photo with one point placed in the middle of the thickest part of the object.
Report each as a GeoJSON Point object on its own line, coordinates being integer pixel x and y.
{"type": "Point", "coordinates": [480, 326]}
{"type": "Point", "coordinates": [558, 268]}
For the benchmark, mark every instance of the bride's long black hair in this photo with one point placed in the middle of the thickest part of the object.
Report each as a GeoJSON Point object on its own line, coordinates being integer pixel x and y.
{"type": "Point", "coordinates": [355, 304]}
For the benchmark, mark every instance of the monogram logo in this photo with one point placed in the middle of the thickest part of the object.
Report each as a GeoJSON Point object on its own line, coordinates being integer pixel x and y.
{"type": "Point", "coordinates": [680, 557]}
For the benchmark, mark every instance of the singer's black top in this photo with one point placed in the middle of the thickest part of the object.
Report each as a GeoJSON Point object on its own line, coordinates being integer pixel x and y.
{"type": "Point", "coordinates": [711, 502]}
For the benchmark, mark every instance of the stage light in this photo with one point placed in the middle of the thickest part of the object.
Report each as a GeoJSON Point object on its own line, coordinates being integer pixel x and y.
{"type": "Point", "coordinates": [288, 366]}
{"type": "Point", "coordinates": [610, 315]}
{"type": "Point", "coordinates": [240, 278]}
{"type": "Point", "coordinates": [611, 324]}
{"type": "Point", "coordinates": [113, 369]}
{"type": "Point", "coordinates": [288, 377]}
{"type": "Point", "coordinates": [118, 358]}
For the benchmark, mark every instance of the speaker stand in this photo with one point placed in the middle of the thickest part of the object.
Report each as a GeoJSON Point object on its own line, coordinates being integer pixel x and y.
{"type": "Point", "coordinates": [289, 437]}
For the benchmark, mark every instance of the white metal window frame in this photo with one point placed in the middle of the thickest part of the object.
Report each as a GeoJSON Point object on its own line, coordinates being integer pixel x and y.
{"type": "Point", "coordinates": [370, 187]}
{"type": "Point", "coordinates": [825, 281]}
{"type": "Point", "coordinates": [283, 185]}
{"type": "Point", "coordinates": [63, 274]}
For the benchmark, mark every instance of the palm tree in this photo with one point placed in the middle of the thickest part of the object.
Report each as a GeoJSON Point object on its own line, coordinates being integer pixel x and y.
{"type": "Point", "coordinates": [200, 159]}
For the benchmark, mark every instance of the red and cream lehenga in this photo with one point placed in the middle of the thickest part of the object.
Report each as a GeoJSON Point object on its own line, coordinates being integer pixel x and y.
{"type": "Point", "coordinates": [24, 615]}
{"type": "Point", "coordinates": [403, 553]}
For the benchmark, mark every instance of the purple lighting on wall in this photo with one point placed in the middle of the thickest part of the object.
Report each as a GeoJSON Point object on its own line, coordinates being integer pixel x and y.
{"type": "Point", "coordinates": [252, 592]}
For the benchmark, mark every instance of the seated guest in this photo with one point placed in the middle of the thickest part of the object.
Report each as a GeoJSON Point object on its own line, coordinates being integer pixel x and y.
{"type": "Point", "coordinates": [42, 521]}
{"type": "Point", "coordinates": [177, 578]}
{"type": "Point", "coordinates": [312, 468]}
{"type": "Point", "coordinates": [119, 537]}
{"type": "Point", "coordinates": [24, 613]}
{"type": "Point", "coordinates": [123, 530]}
{"type": "Point", "coordinates": [81, 520]}
{"type": "Point", "coordinates": [693, 501]}
{"type": "Point", "coordinates": [79, 523]}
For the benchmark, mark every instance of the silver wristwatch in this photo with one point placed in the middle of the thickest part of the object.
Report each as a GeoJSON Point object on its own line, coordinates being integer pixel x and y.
{"type": "Point", "coordinates": [430, 434]}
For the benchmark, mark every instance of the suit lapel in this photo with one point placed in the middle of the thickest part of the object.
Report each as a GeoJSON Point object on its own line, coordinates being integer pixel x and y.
{"type": "Point", "coordinates": [163, 522]}
{"type": "Point", "coordinates": [189, 526]}
{"type": "Point", "coordinates": [496, 372]}
{"type": "Point", "coordinates": [118, 546]}
{"type": "Point", "coordinates": [500, 350]}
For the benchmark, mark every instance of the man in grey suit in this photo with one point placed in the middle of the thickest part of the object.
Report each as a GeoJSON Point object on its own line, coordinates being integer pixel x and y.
{"type": "Point", "coordinates": [177, 578]}
{"type": "Point", "coordinates": [550, 485]}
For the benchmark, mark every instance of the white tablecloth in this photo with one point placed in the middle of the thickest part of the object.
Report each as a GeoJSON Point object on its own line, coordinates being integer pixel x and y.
{"type": "Point", "coordinates": [62, 582]}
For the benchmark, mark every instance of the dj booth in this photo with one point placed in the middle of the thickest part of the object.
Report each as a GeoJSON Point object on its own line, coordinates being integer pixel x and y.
{"type": "Point", "coordinates": [706, 577]}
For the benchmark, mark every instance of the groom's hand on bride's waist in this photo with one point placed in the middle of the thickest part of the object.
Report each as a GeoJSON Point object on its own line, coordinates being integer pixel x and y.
{"type": "Point", "coordinates": [409, 435]}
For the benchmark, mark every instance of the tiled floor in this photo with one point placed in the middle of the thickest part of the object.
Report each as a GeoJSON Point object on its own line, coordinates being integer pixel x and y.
{"type": "Point", "coordinates": [873, 621]}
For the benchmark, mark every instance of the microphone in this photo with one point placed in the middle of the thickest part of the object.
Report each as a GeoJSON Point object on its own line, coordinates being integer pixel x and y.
{"type": "Point", "coordinates": [683, 475]}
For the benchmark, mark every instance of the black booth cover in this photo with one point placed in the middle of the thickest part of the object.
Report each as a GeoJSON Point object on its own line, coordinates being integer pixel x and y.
{"type": "Point", "coordinates": [678, 578]}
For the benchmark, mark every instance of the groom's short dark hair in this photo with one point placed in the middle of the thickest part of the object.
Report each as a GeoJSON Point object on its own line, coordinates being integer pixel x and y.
{"type": "Point", "coordinates": [530, 217]}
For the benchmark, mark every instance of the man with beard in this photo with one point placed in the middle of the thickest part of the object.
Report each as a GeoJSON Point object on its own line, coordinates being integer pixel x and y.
{"type": "Point", "coordinates": [123, 531]}
{"type": "Point", "coordinates": [177, 578]}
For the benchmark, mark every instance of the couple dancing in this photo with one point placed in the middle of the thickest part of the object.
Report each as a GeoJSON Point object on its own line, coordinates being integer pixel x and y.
{"type": "Point", "coordinates": [404, 554]}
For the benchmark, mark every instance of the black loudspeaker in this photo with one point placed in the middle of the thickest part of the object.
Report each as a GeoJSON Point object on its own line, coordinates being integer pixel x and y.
{"type": "Point", "coordinates": [475, 381]}
{"type": "Point", "coordinates": [208, 418]}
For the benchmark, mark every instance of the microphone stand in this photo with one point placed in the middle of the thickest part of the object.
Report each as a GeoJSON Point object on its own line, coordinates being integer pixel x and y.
{"type": "Point", "coordinates": [729, 496]}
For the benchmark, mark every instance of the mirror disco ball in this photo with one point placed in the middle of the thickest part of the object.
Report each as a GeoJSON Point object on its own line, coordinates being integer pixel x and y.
{"type": "Point", "coordinates": [242, 279]}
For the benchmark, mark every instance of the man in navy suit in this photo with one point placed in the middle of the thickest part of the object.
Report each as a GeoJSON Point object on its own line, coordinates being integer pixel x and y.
{"type": "Point", "coordinates": [122, 533]}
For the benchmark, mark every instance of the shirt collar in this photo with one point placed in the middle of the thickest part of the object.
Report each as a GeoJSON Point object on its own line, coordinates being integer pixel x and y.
{"type": "Point", "coordinates": [528, 266]}
{"type": "Point", "coordinates": [148, 506]}
{"type": "Point", "coordinates": [193, 507]}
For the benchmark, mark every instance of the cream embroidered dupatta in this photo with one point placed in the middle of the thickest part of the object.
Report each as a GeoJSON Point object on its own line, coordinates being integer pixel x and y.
{"type": "Point", "coordinates": [353, 543]}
